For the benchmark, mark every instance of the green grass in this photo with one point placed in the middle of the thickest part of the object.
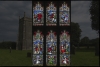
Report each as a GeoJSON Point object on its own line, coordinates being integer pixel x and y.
{"type": "Point", "coordinates": [85, 57]}
{"type": "Point", "coordinates": [82, 57]}
{"type": "Point", "coordinates": [16, 58]}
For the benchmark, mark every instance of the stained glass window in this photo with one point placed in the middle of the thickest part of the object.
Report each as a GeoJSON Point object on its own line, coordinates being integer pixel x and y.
{"type": "Point", "coordinates": [38, 16]}
{"type": "Point", "coordinates": [47, 33]}
{"type": "Point", "coordinates": [64, 49]}
{"type": "Point", "coordinates": [38, 48]}
{"type": "Point", "coordinates": [64, 15]}
{"type": "Point", "coordinates": [51, 48]}
{"type": "Point", "coordinates": [51, 15]}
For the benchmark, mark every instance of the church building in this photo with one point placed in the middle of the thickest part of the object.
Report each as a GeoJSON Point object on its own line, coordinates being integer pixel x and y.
{"type": "Point", "coordinates": [24, 41]}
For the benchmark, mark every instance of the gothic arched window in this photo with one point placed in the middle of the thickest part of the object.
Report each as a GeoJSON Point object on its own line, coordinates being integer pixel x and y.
{"type": "Point", "coordinates": [51, 48]}
{"type": "Point", "coordinates": [64, 49]}
{"type": "Point", "coordinates": [64, 16]}
{"type": "Point", "coordinates": [51, 15]}
{"type": "Point", "coordinates": [51, 29]}
{"type": "Point", "coordinates": [38, 16]}
{"type": "Point", "coordinates": [38, 48]}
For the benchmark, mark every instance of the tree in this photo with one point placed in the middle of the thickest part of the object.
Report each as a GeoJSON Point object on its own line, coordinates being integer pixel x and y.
{"type": "Point", "coordinates": [7, 45]}
{"type": "Point", "coordinates": [94, 11]}
{"type": "Point", "coordinates": [85, 41]}
{"type": "Point", "coordinates": [95, 43]}
{"type": "Point", "coordinates": [75, 36]}
{"type": "Point", "coordinates": [75, 33]}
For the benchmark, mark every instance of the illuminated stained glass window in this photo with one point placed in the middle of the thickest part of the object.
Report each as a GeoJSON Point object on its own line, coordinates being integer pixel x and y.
{"type": "Point", "coordinates": [45, 46]}
{"type": "Point", "coordinates": [38, 16]}
{"type": "Point", "coordinates": [38, 48]}
{"type": "Point", "coordinates": [51, 15]}
{"type": "Point", "coordinates": [64, 15]}
{"type": "Point", "coordinates": [64, 49]}
{"type": "Point", "coordinates": [51, 49]}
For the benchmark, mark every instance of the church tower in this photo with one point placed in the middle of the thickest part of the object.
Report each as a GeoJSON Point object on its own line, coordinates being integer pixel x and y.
{"type": "Point", "coordinates": [24, 41]}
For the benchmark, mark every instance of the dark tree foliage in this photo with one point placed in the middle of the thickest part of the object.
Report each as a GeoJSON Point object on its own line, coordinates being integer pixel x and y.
{"type": "Point", "coordinates": [85, 41]}
{"type": "Point", "coordinates": [95, 41]}
{"type": "Point", "coordinates": [7, 45]}
{"type": "Point", "coordinates": [75, 33]}
{"type": "Point", "coordinates": [75, 36]}
{"type": "Point", "coordinates": [94, 12]}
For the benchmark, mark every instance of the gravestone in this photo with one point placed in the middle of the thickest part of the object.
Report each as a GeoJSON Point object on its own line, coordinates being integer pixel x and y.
{"type": "Point", "coordinates": [28, 54]}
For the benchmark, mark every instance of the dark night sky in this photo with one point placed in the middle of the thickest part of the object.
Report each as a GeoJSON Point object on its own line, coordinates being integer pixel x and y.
{"type": "Point", "coordinates": [11, 10]}
{"type": "Point", "coordinates": [80, 14]}
{"type": "Point", "coordinates": [9, 18]}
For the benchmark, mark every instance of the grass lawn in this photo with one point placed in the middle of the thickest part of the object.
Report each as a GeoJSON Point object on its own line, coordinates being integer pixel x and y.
{"type": "Point", "coordinates": [16, 58]}
{"type": "Point", "coordinates": [85, 57]}
{"type": "Point", "coordinates": [82, 57]}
